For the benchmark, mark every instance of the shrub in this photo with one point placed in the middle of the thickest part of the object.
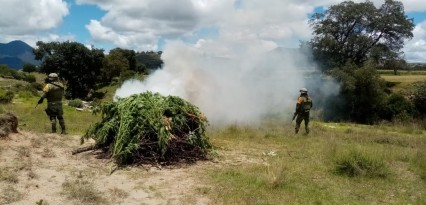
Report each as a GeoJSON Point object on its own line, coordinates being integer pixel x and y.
{"type": "Point", "coordinates": [76, 103]}
{"type": "Point", "coordinates": [29, 68]}
{"type": "Point", "coordinates": [125, 75]}
{"type": "Point", "coordinates": [37, 86]}
{"type": "Point", "coordinates": [357, 163]}
{"type": "Point", "coordinates": [362, 93]}
{"type": "Point", "coordinates": [420, 97]}
{"type": "Point", "coordinates": [398, 107]}
{"type": "Point", "coordinates": [7, 97]}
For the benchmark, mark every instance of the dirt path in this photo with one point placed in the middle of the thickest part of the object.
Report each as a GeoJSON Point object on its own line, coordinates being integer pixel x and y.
{"type": "Point", "coordinates": [40, 168]}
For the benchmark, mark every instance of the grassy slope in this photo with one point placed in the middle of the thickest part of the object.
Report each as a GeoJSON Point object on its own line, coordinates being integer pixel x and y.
{"type": "Point", "coordinates": [268, 164]}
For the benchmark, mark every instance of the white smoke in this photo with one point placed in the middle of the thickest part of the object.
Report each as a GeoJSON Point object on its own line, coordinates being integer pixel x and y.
{"type": "Point", "coordinates": [229, 82]}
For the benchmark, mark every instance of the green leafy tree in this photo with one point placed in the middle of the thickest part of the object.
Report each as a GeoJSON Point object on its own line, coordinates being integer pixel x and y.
{"type": "Point", "coordinates": [29, 68]}
{"type": "Point", "coordinates": [149, 60]}
{"type": "Point", "coordinates": [362, 96]}
{"type": "Point", "coordinates": [74, 62]}
{"type": "Point", "coordinates": [114, 64]}
{"type": "Point", "coordinates": [355, 32]}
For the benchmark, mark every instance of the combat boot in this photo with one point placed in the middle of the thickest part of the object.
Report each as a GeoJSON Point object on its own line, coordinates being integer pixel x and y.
{"type": "Point", "coordinates": [62, 124]}
{"type": "Point", "coordinates": [53, 127]}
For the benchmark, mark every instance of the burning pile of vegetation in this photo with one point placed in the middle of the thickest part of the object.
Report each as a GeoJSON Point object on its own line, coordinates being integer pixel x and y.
{"type": "Point", "coordinates": [151, 128]}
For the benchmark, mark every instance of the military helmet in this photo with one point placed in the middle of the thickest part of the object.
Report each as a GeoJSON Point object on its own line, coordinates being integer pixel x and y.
{"type": "Point", "coordinates": [53, 76]}
{"type": "Point", "coordinates": [304, 90]}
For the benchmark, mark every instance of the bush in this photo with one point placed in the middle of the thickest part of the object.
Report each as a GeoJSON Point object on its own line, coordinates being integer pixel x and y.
{"type": "Point", "coordinates": [398, 107]}
{"type": "Point", "coordinates": [420, 98]}
{"type": "Point", "coordinates": [125, 75]}
{"type": "Point", "coordinates": [362, 94]}
{"type": "Point", "coordinates": [357, 163]}
{"type": "Point", "coordinates": [29, 68]}
{"type": "Point", "coordinates": [76, 103]}
{"type": "Point", "coordinates": [37, 86]}
{"type": "Point", "coordinates": [7, 97]}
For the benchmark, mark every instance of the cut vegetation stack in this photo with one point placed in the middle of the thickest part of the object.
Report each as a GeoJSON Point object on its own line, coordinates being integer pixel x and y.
{"type": "Point", "coordinates": [151, 128]}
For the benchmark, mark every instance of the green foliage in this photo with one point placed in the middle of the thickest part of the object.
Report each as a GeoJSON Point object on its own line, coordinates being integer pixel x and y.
{"type": "Point", "coordinates": [6, 97]}
{"type": "Point", "coordinates": [78, 103]}
{"type": "Point", "coordinates": [398, 107]}
{"type": "Point", "coordinates": [420, 97]}
{"type": "Point", "coordinates": [355, 32]}
{"type": "Point", "coordinates": [149, 60]}
{"type": "Point", "coordinates": [128, 74]}
{"type": "Point", "coordinates": [149, 124]}
{"type": "Point", "coordinates": [29, 68]}
{"type": "Point", "coordinates": [74, 62]}
{"type": "Point", "coordinates": [114, 64]}
{"type": "Point", "coordinates": [362, 94]}
{"type": "Point", "coordinates": [5, 72]}
{"type": "Point", "coordinates": [358, 163]}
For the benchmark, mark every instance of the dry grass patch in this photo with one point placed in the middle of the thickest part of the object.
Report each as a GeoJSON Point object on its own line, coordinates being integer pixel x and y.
{"type": "Point", "coordinates": [48, 153]}
{"type": "Point", "coordinates": [117, 193]}
{"type": "Point", "coordinates": [82, 191]}
{"type": "Point", "coordinates": [8, 175]}
{"type": "Point", "coordinates": [10, 195]}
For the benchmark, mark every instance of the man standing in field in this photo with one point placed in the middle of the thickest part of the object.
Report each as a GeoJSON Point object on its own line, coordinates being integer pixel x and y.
{"type": "Point", "coordinates": [303, 107]}
{"type": "Point", "coordinates": [53, 91]}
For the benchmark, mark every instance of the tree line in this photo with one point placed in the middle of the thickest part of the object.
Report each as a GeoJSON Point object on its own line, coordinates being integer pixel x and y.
{"type": "Point", "coordinates": [84, 69]}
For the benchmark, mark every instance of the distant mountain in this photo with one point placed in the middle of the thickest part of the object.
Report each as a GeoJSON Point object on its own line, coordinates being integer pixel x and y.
{"type": "Point", "coordinates": [16, 53]}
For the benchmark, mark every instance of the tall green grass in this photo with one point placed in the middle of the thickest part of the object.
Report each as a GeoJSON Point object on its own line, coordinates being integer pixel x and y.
{"type": "Point", "coordinates": [33, 118]}
{"type": "Point", "coordinates": [334, 164]}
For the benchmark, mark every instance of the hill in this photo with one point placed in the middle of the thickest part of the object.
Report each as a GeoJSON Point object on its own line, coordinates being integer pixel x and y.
{"type": "Point", "coordinates": [16, 53]}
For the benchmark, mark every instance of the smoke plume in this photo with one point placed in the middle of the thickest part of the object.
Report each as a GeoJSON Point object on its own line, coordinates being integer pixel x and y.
{"type": "Point", "coordinates": [230, 83]}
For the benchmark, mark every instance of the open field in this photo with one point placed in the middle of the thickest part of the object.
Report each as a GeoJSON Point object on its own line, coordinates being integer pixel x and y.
{"type": "Point", "coordinates": [402, 72]}
{"type": "Point", "coordinates": [404, 78]}
{"type": "Point", "coordinates": [337, 163]}
{"type": "Point", "coordinates": [404, 83]}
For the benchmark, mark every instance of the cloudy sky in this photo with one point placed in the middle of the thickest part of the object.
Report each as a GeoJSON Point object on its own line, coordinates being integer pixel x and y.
{"type": "Point", "coordinates": [152, 24]}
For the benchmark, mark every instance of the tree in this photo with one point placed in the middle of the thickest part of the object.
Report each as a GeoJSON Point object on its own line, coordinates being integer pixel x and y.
{"type": "Point", "coordinates": [114, 64]}
{"type": "Point", "coordinates": [362, 93]}
{"type": "Point", "coordinates": [29, 68]}
{"type": "Point", "coordinates": [355, 32]}
{"type": "Point", "coordinates": [74, 62]}
{"type": "Point", "coordinates": [149, 60]}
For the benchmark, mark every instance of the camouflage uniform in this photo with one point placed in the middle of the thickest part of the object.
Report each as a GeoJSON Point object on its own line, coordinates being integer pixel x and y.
{"type": "Point", "coordinates": [53, 92]}
{"type": "Point", "coordinates": [303, 107]}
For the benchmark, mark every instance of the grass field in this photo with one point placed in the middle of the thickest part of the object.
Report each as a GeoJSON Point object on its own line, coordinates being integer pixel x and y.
{"type": "Point", "coordinates": [337, 163]}
{"type": "Point", "coordinates": [404, 83]}
{"type": "Point", "coordinates": [402, 72]}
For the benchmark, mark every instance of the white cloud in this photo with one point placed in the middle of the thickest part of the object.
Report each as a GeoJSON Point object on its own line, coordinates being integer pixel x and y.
{"type": "Point", "coordinates": [24, 17]}
{"type": "Point", "coordinates": [415, 49]}
{"type": "Point", "coordinates": [134, 23]}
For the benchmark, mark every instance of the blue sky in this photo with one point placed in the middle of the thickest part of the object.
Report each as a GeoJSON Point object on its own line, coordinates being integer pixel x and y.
{"type": "Point", "coordinates": [150, 25]}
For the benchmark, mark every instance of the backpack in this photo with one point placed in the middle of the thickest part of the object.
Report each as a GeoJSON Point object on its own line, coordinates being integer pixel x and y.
{"type": "Point", "coordinates": [306, 104]}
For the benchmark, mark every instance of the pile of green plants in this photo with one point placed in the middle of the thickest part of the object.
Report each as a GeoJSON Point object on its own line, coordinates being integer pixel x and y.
{"type": "Point", "coordinates": [150, 128]}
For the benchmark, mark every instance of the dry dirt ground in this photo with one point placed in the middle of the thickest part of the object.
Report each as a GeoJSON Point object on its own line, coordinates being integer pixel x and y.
{"type": "Point", "coordinates": [40, 169]}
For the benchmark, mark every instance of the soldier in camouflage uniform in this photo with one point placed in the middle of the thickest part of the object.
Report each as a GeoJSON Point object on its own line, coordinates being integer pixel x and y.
{"type": "Point", "coordinates": [53, 91]}
{"type": "Point", "coordinates": [303, 107]}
